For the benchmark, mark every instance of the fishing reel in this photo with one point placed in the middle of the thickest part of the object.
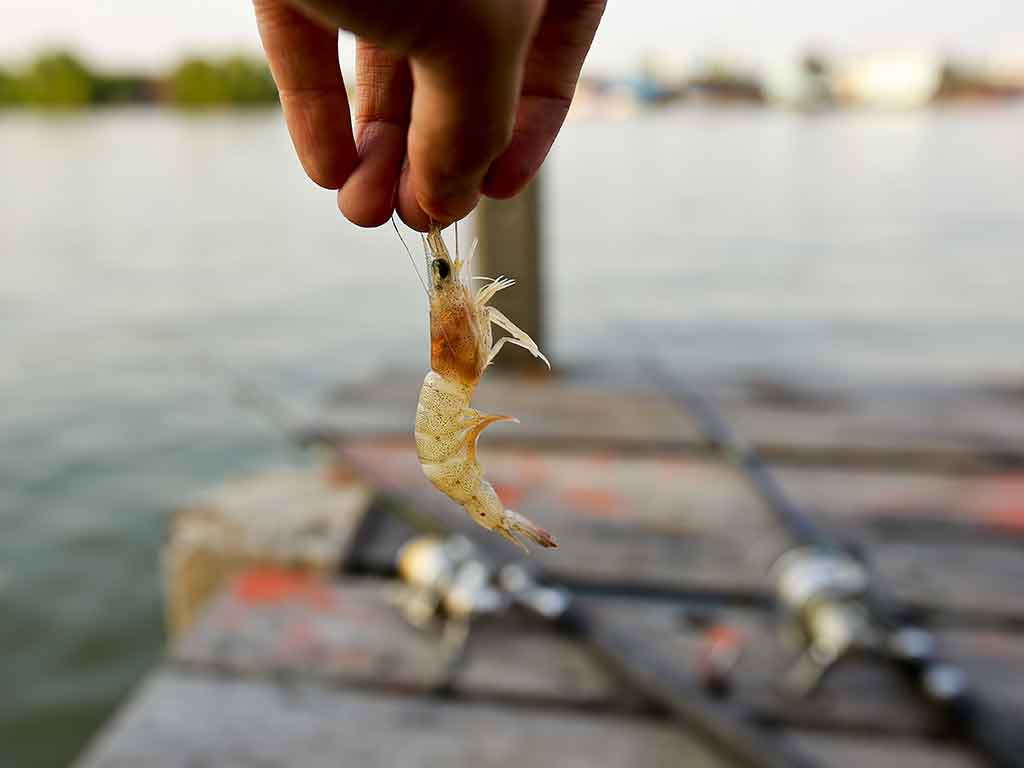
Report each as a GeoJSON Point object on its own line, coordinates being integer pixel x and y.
{"type": "Point", "coordinates": [450, 578]}
{"type": "Point", "coordinates": [821, 592]}
{"type": "Point", "coordinates": [825, 595]}
{"type": "Point", "coordinates": [450, 582]}
{"type": "Point", "coordinates": [446, 580]}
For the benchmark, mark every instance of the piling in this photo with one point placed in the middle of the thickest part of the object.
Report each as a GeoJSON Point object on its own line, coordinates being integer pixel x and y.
{"type": "Point", "coordinates": [510, 235]}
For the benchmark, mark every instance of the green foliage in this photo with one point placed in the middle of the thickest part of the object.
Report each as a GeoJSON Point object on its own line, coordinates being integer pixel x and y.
{"type": "Point", "coordinates": [59, 79]}
{"type": "Point", "coordinates": [122, 89]}
{"type": "Point", "coordinates": [249, 82]}
{"type": "Point", "coordinates": [8, 90]}
{"type": "Point", "coordinates": [195, 82]}
{"type": "Point", "coordinates": [236, 80]}
{"type": "Point", "coordinates": [56, 79]}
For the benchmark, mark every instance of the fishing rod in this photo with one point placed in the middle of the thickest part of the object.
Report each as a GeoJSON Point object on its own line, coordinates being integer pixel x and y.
{"type": "Point", "coordinates": [830, 598]}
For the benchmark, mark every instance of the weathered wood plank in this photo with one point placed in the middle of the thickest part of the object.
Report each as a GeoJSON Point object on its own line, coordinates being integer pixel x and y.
{"type": "Point", "coordinates": [863, 693]}
{"type": "Point", "coordinates": [693, 523]}
{"type": "Point", "coordinates": [280, 625]}
{"type": "Point", "coordinates": [550, 409]}
{"type": "Point", "coordinates": [273, 622]}
{"type": "Point", "coordinates": [835, 750]}
{"type": "Point", "coordinates": [185, 721]}
{"type": "Point", "coordinates": [908, 423]}
{"type": "Point", "coordinates": [298, 518]}
{"type": "Point", "coordinates": [949, 428]}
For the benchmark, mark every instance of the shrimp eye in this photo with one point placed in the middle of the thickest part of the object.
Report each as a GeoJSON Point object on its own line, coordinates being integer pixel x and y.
{"type": "Point", "coordinates": [443, 270]}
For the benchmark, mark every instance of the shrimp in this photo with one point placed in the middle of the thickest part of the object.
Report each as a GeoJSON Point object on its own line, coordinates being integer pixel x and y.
{"type": "Point", "coordinates": [447, 428]}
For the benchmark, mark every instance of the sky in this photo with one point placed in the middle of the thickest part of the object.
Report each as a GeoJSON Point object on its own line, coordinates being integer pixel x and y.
{"type": "Point", "coordinates": [151, 34]}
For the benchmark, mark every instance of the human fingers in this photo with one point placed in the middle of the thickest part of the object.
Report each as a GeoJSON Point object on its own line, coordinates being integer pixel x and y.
{"type": "Point", "coordinates": [552, 71]}
{"type": "Point", "coordinates": [303, 57]}
{"type": "Point", "coordinates": [466, 87]}
{"type": "Point", "coordinates": [467, 59]}
{"type": "Point", "coordinates": [382, 125]}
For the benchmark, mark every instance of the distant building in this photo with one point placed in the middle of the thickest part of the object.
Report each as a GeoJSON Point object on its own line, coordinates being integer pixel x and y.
{"type": "Point", "coordinates": [890, 80]}
{"type": "Point", "coordinates": [801, 83]}
{"type": "Point", "coordinates": [601, 98]}
{"type": "Point", "coordinates": [624, 95]}
{"type": "Point", "coordinates": [723, 81]}
{"type": "Point", "coordinates": [1007, 72]}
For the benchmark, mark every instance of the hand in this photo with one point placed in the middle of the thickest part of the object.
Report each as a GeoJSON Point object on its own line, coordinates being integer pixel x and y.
{"type": "Point", "coordinates": [456, 97]}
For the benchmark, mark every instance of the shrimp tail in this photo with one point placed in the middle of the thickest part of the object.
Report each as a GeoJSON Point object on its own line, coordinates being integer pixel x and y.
{"type": "Point", "coordinates": [513, 522]}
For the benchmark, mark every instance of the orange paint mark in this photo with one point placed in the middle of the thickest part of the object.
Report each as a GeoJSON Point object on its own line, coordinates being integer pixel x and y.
{"type": "Point", "coordinates": [719, 652]}
{"type": "Point", "coordinates": [999, 502]}
{"type": "Point", "coordinates": [594, 502]}
{"type": "Point", "coordinates": [276, 585]}
{"type": "Point", "coordinates": [723, 635]}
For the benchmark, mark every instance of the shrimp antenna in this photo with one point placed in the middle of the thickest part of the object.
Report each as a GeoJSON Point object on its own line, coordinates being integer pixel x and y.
{"type": "Point", "coordinates": [472, 253]}
{"type": "Point", "coordinates": [411, 259]}
{"type": "Point", "coordinates": [456, 225]}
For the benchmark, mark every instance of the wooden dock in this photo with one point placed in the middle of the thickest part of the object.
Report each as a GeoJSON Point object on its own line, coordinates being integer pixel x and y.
{"type": "Point", "coordinates": [291, 650]}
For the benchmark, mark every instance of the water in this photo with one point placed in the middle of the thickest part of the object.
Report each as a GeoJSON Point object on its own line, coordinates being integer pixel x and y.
{"type": "Point", "coordinates": [148, 258]}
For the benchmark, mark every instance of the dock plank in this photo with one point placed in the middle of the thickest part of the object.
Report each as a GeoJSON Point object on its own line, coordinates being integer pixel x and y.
{"type": "Point", "coordinates": [693, 523]}
{"type": "Point", "coordinates": [352, 634]}
{"type": "Point", "coordinates": [183, 721]}
{"type": "Point", "coordinates": [965, 428]}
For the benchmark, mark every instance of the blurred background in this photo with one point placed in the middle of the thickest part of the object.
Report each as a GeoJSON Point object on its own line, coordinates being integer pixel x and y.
{"type": "Point", "coordinates": [829, 191]}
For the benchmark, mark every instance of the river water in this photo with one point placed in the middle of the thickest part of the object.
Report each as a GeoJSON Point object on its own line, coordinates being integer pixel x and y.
{"type": "Point", "coordinates": [149, 259]}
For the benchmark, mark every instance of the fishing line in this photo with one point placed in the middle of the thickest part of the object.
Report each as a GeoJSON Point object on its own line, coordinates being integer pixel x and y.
{"type": "Point", "coordinates": [472, 253]}
{"type": "Point", "coordinates": [456, 225]}
{"type": "Point", "coordinates": [411, 259]}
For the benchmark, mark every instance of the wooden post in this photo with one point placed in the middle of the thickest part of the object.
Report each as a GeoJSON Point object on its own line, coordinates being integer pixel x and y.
{"type": "Point", "coordinates": [510, 243]}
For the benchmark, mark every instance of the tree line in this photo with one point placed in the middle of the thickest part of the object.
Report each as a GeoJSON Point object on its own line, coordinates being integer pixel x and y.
{"type": "Point", "coordinates": [61, 79]}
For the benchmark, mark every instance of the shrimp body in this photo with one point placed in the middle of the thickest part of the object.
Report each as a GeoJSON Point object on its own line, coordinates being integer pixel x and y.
{"type": "Point", "coordinates": [447, 427]}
